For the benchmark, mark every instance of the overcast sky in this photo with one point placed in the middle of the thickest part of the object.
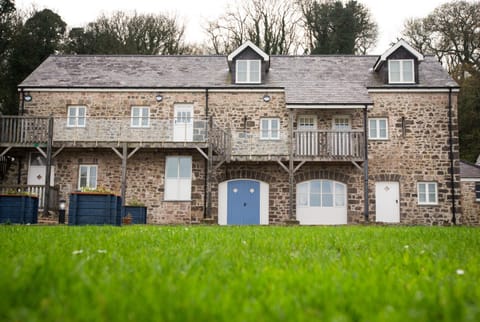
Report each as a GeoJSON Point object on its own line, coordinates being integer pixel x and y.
{"type": "Point", "coordinates": [389, 14]}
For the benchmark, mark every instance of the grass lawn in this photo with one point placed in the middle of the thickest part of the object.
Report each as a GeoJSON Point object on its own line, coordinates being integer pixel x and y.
{"type": "Point", "coordinates": [207, 273]}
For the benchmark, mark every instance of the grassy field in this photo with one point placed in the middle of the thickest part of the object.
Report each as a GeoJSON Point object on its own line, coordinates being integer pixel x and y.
{"type": "Point", "coordinates": [148, 273]}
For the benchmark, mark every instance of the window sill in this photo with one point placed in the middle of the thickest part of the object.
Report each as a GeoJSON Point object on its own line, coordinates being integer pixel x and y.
{"type": "Point", "coordinates": [170, 200]}
{"type": "Point", "coordinates": [378, 139]}
{"type": "Point", "coordinates": [428, 204]}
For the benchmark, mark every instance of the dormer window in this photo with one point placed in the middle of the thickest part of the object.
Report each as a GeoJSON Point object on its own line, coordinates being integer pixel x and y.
{"type": "Point", "coordinates": [401, 71]}
{"type": "Point", "coordinates": [248, 71]}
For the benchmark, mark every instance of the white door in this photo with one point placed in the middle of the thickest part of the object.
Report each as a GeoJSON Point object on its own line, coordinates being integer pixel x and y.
{"type": "Point", "coordinates": [341, 136]}
{"type": "Point", "coordinates": [183, 123]}
{"type": "Point", "coordinates": [387, 199]}
{"type": "Point", "coordinates": [37, 171]}
{"type": "Point", "coordinates": [307, 135]}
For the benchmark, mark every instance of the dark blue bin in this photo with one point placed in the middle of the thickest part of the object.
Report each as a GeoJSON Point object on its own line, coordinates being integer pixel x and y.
{"type": "Point", "coordinates": [94, 209]}
{"type": "Point", "coordinates": [138, 214]}
{"type": "Point", "coordinates": [17, 209]}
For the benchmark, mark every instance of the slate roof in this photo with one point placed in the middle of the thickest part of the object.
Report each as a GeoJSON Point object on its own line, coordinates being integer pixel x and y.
{"type": "Point", "coordinates": [306, 79]}
{"type": "Point", "coordinates": [469, 170]}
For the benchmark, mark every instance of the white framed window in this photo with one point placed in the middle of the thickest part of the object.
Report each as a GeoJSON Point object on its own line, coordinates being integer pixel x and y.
{"type": "Point", "coordinates": [87, 176]}
{"type": "Point", "coordinates": [76, 116]}
{"type": "Point", "coordinates": [477, 191]}
{"type": "Point", "coordinates": [401, 71]}
{"type": "Point", "coordinates": [140, 116]}
{"type": "Point", "coordinates": [178, 178]}
{"type": "Point", "coordinates": [321, 193]}
{"type": "Point", "coordinates": [341, 123]}
{"type": "Point", "coordinates": [269, 128]}
{"type": "Point", "coordinates": [378, 129]}
{"type": "Point", "coordinates": [248, 71]}
{"type": "Point", "coordinates": [427, 193]}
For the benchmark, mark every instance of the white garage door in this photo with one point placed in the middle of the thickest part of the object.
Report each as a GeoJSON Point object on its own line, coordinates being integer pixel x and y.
{"type": "Point", "coordinates": [321, 202]}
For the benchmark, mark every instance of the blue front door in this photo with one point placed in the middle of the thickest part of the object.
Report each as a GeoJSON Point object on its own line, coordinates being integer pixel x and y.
{"type": "Point", "coordinates": [243, 202]}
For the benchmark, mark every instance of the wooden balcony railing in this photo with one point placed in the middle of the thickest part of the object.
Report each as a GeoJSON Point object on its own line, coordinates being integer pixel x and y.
{"type": "Point", "coordinates": [332, 145]}
{"type": "Point", "coordinates": [23, 129]}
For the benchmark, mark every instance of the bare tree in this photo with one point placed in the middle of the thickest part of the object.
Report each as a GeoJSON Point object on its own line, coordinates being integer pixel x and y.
{"type": "Point", "coordinates": [273, 25]}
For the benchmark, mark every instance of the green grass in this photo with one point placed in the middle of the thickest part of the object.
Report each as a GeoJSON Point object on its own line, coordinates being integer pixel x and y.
{"type": "Point", "coordinates": [148, 273]}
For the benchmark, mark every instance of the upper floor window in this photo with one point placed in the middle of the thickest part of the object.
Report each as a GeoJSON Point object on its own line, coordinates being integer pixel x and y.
{"type": "Point", "coordinates": [76, 116]}
{"type": "Point", "coordinates": [341, 123]}
{"type": "Point", "coordinates": [248, 71]}
{"type": "Point", "coordinates": [140, 116]}
{"type": "Point", "coordinates": [87, 176]}
{"type": "Point", "coordinates": [477, 191]}
{"type": "Point", "coordinates": [427, 193]}
{"type": "Point", "coordinates": [378, 129]}
{"type": "Point", "coordinates": [270, 129]}
{"type": "Point", "coordinates": [401, 71]}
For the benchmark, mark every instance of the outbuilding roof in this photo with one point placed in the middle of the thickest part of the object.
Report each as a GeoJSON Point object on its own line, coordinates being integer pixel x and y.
{"type": "Point", "coordinates": [469, 170]}
{"type": "Point", "coordinates": [305, 79]}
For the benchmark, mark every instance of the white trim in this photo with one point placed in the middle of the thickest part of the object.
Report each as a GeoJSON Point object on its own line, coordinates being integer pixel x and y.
{"type": "Point", "coordinates": [248, 72]}
{"type": "Point", "coordinates": [89, 167]}
{"type": "Point", "coordinates": [177, 183]}
{"type": "Point", "coordinates": [223, 201]}
{"type": "Point", "coordinates": [339, 117]}
{"type": "Point", "coordinates": [391, 50]}
{"type": "Point", "coordinates": [327, 106]}
{"type": "Point", "coordinates": [377, 120]}
{"type": "Point", "coordinates": [470, 180]}
{"type": "Point", "coordinates": [269, 130]}
{"type": "Point", "coordinates": [412, 90]}
{"type": "Point", "coordinates": [76, 117]}
{"type": "Point", "coordinates": [246, 44]}
{"type": "Point", "coordinates": [427, 192]}
{"type": "Point", "coordinates": [141, 117]}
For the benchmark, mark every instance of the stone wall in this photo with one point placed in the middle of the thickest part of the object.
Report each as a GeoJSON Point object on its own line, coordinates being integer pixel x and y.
{"type": "Point", "coordinates": [470, 206]}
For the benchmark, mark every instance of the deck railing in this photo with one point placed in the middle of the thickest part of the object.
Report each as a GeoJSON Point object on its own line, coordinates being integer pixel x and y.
{"type": "Point", "coordinates": [36, 190]}
{"type": "Point", "coordinates": [23, 129]}
{"type": "Point", "coordinates": [333, 145]}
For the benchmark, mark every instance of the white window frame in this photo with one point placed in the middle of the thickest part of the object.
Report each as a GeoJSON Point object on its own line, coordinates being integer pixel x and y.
{"type": "Point", "coordinates": [76, 117]}
{"type": "Point", "coordinates": [89, 176]}
{"type": "Point", "coordinates": [141, 117]}
{"type": "Point", "coordinates": [477, 191]}
{"type": "Point", "coordinates": [402, 71]}
{"type": "Point", "coordinates": [342, 117]}
{"type": "Point", "coordinates": [269, 131]}
{"type": "Point", "coordinates": [249, 72]}
{"type": "Point", "coordinates": [178, 188]}
{"type": "Point", "coordinates": [427, 186]}
{"type": "Point", "coordinates": [338, 200]}
{"type": "Point", "coordinates": [376, 135]}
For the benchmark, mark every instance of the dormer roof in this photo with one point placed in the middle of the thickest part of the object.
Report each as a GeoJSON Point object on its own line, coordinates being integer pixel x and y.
{"type": "Point", "coordinates": [391, 50]}
{"type": "Point", "coordinates": [246, 44]}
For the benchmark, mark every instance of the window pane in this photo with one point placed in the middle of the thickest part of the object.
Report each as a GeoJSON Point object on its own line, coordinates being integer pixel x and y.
{"type": "Point", "coordinates": [327, 200]}
{"type": "Point", "coordinates": [373, 128]}
{"type": "Point", "coordinates": [477, 190]}
{"type": "Point", "coordinates": [394, 71]}
{"type": "Point", "coordinates": [302, 194]}
{"type": "Point", "coordinates": [314, 200]}
{"type": "Point", "coordinates": [314, 186]}
{"type": "Point", "coordinates": [327, 187]}
{"type": "Point", "coordinates": [145, 121]}
{"type": "Point", "coordinates": [422, 196]}
{"type": "Point", "coordinates": [241, 71]}
{"type": "Point", "coordinates": [185, 167]}
{"type": "Point", "coordinates": [407, 71]}
{"type": "Point", "coordinates": [81, 121]}
{"type": "Point", "coordinates": [135, 112]}
{"type": "Point", "coordinates": [172, 167]}
{"type": "Point", "coordinates": [81, 111]}
{"type": "Point", "coordinates": [339, 195]}
{"type": "Point", "coordinates": [255, 71]}
{"type": "Point", "coordinates": [93, 177]}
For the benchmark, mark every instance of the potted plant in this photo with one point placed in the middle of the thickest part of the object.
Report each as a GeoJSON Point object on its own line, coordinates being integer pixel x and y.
{"type": "Point", "coordinates": [137, 211]}
{"type": "Point", "coordinates": [18, 207]}
{"type": "Point", "coordinates": [99, 206]}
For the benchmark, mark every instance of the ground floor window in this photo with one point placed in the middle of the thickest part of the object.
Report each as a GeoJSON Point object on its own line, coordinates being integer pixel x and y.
{"type": "Point", "coordinates": [178, 178]}
{"type": "Point", "coordinates": [477, 191]}
{"type": "Point", "coordinates": [87, 177]}
{"type": "Point", "coordinates": [427, 193]}
{"type": "Point", "coordinates": [321, 193]}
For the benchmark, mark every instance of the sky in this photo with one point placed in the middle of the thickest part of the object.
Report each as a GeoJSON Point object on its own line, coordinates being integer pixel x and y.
{"type": "Point", "coordinates": [390, 15]}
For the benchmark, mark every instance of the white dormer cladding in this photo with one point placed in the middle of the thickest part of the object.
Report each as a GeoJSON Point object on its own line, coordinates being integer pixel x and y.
{"type": "Point", "coordinates": [248, 64]}
{"type": "Point", "coordinates": [399, 64]}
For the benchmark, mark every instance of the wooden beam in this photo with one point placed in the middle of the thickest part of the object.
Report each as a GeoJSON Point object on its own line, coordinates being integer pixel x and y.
{"type": "Point", "coordinates": [124, 173]}
{"type": "Point", "coordinates": [357, 165]}
{"type": "Point", "coordinates": [41, 151]}
{"type": "Point", "coordinates": [5, 151]}
{"type": "Point", "coordinates": [218, 165]}
{"type": "Point", "coordinates": [202, 153]}
{"type": "Point", "coordinates": [283, 166]}
{"type": "Point", "coordinates": [299, 166]}
{"type": "Point", "coordinates": [58, 152]}
{"type": "Point", "coordinates": [48, 170]}
{"type": "Point", "coordinates": [291, 170]}
{"type": "Point", "coordinates": [133, 152]}
{"type": "Point", "coordinates": [117, 152]}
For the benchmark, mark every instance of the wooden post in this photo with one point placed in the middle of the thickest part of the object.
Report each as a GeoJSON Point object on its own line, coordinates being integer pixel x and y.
{"type": "Point", "coordinates": [124, 173]}
{"type": "Point", "coordinates": [291, 169]}
{"type": "Point", "coordinates": [208, 175]}
{"type": "Point", "coordinates": [48, 170]}
{"type": "Point", "coordinates": [365, 163]}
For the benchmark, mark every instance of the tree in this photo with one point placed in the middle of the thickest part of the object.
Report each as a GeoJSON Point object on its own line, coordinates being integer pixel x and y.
{"type": "Point", "coordinates": [40, 36]}
{"type": "Point", "coordinates": [272, 25]}
{"type": "Point", "coordinates": [121, 33]}
{"type": "Point", "coordinates": [333, 27]}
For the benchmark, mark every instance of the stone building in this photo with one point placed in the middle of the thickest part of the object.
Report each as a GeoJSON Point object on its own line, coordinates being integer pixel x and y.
{"type": "Point", "coordinates": [470, 186]}
{"type": "Point", "coordinates": [244, 139]}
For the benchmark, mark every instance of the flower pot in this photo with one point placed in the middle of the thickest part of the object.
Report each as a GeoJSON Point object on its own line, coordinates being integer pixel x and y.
{"type": "Point", "coordinates": [87, 208]}
{"type": "Point", "coordinates": [18, 209]}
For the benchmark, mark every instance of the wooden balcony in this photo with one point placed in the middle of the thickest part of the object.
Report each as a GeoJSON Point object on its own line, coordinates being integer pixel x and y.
{"type": "Point", "coordinates": [318, 145]}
